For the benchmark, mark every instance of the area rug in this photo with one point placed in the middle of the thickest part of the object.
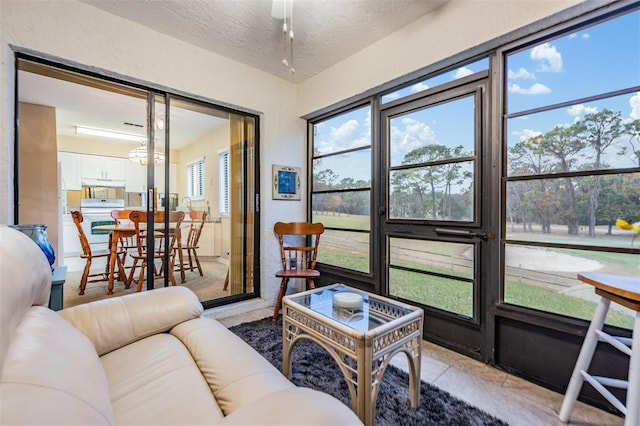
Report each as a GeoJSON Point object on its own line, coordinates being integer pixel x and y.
{"type": "Point", "coordinates": [312, 367]}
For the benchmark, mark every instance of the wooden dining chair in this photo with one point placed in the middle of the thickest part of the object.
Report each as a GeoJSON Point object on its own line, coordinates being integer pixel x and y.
{"type": "Point", "coordinates": [139, 219]}
{"type": "Point", "coordinates": [190, 245]}
{"type": "Point", "coordinates": [89, 255]}
{"type": "Point", "coordinates": [127, 242]}
{"type": "Point", "coordinates": [298, 253]}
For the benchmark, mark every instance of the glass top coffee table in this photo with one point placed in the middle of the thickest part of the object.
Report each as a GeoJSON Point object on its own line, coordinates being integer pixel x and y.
{"type": "Point", "coordinates": [362, 332]}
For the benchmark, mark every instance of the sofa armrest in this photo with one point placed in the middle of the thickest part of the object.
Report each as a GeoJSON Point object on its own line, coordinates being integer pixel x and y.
{"type": "Point", "coordinates": [113, 323]}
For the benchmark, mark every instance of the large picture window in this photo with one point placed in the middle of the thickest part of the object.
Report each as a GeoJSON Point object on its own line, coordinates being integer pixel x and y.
{"type": "Point", "coordinates": [572, 166]}
{"type": "Point", "coordinates": [341, 188]}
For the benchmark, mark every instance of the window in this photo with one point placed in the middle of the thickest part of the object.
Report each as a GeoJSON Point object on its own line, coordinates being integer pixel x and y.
{"type": "Point", "coordinates": [573, 165]}
{"type": "Point", "coordinates": [341, 188]}
{"type": "Point", "coordinates": [195, 176]}
{"type": "Point", "coordinates": [460, 72]}
{"type": "Point", "coordinates": [223, 167]}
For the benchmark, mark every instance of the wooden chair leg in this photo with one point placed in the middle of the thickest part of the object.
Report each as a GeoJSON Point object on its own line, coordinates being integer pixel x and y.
{"type": "Point", "coordinates": [122, 273]}
{"type": "Point", "coordinates": [226, 282]}
{"type": "Point", "coordinates": [141, 277]}
{"type": "Point", "coordinates": [195, 256]}
{"type": "Point", "coordinates": [133, 271]}
{"type": "Point", "coordinates": [172, 265]}
{"type": "Point", "coordinates": [85, 276]}
{"type": "Point", "coordinates": [190, 259]}
{"type": "Point", "coordinates": [283, 289]}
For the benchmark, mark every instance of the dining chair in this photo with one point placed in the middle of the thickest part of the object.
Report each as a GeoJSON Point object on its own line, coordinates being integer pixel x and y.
{"type": "Point", "coordinates": [127, 242]}
{"type": "Point", "coordinates": [190, 245]}
{"type": "Point", "coordinates": [89, 255]}
{"type": "Point", "coordinates": [139, 219]}
{"type": "Point", "coordinates": [298, 254]}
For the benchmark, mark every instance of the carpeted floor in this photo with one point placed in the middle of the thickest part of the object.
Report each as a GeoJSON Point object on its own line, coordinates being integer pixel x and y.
{"type": "Point", "coordinates": [208, 287]}
{"type": "Point", "coordinates": [312, 367]}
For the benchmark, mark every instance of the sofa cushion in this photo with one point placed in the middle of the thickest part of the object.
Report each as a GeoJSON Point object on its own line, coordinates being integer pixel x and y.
{"type": "Point", "coordinates": [294, 407]}
{"type": "Point", "coordinates": [155, 381]}
{"type": "Point", "coordinates": [236, 373]}
{"type": "Point", "coordinates": [52, 375]}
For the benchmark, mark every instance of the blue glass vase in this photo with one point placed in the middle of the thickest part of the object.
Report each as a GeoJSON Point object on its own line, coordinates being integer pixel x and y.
{"type": "Point", "coordinates": [38, 233]}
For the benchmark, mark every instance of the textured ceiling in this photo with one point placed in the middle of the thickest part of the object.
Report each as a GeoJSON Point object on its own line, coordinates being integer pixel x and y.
{"type": "Point", "coordinates": [326, 31]}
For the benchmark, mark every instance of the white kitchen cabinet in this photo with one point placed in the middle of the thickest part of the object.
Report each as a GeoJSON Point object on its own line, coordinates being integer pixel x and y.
{"type": "Point", "coordinates": [104, 168]}
{"type": "Point", "coordinates": [136, 177]}
{"type": "Point", "coordinates": [70, 170]}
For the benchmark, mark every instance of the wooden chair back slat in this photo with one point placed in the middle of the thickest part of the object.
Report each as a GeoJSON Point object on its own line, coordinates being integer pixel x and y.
{"type": "Point", "coordinates": [301, 254]}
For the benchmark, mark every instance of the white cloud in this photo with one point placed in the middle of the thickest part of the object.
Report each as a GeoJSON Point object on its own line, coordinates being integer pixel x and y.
{"type": "Point", "coordinates": [461, 72]}
{"type": "Point", "coordinates": [586, 35]}
{"type": "Point", "coordinates": [349, 134]}
{"type": "Point", "coordinates": [419, 87]}
{"type": "Point", "coordinates": [578, 111]}
{"type": "Point", "coordinates": [527, 134]}
{"type": "Point", "coordinates": [549, 59]}
{"type": "Point", "coordinates": [414, 135]}
{"type": "Point", "coordinates": [345, 130]}
{"type": "Point", "coordinates": [634, 102]}
{"type": "Point", "coordinates": [535, 89]}
{"type": "Point", "coordinates": [521, 74]}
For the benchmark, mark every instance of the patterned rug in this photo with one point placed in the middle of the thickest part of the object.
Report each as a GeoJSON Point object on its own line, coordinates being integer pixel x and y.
{"type": "Point", "coordinates": [312, 367]}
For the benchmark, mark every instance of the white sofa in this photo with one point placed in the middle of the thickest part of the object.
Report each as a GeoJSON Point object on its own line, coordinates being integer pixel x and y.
{"type": "Point", "coordinates": [143, 359]}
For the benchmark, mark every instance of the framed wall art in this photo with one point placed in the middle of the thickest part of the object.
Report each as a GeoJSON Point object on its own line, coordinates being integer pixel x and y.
{"type": "Point", "coordinates": [286, 182]}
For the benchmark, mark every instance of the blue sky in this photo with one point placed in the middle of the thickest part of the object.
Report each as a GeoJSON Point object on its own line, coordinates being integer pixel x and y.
{"type": "Point", "coordinates": [596, 60]}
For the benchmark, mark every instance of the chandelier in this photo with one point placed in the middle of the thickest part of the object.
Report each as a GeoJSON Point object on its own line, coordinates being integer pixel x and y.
{"type": "Point", "coordinates": [139, 156]}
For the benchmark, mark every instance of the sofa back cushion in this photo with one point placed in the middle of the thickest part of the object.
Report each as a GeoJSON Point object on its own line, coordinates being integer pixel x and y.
{"type": "Point", "coordinates": [52, 375]}
{"type": "Point", "coordinates": [25, 280]}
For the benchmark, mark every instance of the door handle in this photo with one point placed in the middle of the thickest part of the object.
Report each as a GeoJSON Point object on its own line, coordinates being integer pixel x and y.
{"type": "Point", "coordinates": [465, 234]}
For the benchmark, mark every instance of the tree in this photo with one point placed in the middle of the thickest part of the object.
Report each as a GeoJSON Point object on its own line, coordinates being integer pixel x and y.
{"type": "Point", "coordinates": [565, 144]}
{"type": "Point", "coordinates": [633, 130]}
{"type": "Point", "coordinates": [602, 129]}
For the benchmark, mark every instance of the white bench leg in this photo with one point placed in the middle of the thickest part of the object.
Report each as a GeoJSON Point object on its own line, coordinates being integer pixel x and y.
{"type": "Point", "coordinates": [584, 359]}
{"type": "Point", "coordinates": [633, 391]}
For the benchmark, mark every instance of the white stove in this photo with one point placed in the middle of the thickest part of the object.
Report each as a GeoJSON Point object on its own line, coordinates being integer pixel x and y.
{"type": "Point", "coordinates": [97, 211]}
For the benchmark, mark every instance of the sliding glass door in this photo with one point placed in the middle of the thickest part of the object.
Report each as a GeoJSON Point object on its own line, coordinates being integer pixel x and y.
{"type": "Point", "coordinates": [149, 151]}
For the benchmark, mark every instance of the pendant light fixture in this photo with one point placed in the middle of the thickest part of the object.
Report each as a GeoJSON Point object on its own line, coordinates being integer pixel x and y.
{"type": "Point", "coordinates": [283, 9]}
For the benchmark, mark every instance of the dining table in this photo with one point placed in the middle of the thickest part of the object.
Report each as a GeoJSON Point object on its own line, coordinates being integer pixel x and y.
{"type": "Point", "coordinates": [128, 229]}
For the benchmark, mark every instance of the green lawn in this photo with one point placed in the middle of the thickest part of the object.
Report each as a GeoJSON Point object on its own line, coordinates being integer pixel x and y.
{"type": "Point", "coordinates": [457, 296]}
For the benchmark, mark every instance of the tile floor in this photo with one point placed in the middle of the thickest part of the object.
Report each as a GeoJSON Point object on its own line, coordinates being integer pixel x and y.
{"type": "Point", "coordinates": [512, 399]}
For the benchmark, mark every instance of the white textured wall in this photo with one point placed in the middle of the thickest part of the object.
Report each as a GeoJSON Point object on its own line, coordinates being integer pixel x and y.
{"type": "Point", "coordinates": [85, 35]}
{"type": "Point", "coordinates": [452, 29]}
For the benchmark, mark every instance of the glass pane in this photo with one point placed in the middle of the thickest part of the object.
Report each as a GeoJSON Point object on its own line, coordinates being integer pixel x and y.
{"type": "Point", "coordinates": [443, 293]}
{"type": "Point", "coordinates": [574, 210]}
{"type": "Point", "coordinates": [343, 171]}
{"type": "Point", "coordinates": [546, 279]}
{"type": "Point", "coordinates": [345, 249]}
{"type": "Point", "coordinates": [446, 77]}
{"type": "Point", "coordinates": [429, 134]}
{"type": "Point", "coordinates": [345, 131]}
{"type": "Point", "coordinates": [562, 69]}
{"type": "Point", "coordinates": [433, 256]}
{"type": "Point", "coordinates": [348, 210]}
{"type": "Point", "coordinates": [443, 192]}
{"type": "Point", "coordinates": [597, 135]}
